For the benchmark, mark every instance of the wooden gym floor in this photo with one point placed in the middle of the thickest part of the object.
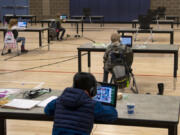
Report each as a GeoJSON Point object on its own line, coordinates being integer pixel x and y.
{"type": "Point", "coordinates": [55, 69]}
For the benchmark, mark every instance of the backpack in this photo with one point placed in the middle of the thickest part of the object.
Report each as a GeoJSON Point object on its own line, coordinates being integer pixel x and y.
{"type": "Point", "coordinates": [9, 40]}
{"type": "Point", "coordinates": [52, 33]}
{"type": "Point", "coordinates": [120, 59]}
{"type": "Point", "coordinates": [54, 28]}
{"type": "Point", "coordinates": [55, 25]}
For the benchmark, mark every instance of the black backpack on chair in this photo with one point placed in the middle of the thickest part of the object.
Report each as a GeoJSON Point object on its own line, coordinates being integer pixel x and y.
{"type": "Point", "coordinates": [53, 30]}
{"type": "Point", "coordinates": [120, 59]}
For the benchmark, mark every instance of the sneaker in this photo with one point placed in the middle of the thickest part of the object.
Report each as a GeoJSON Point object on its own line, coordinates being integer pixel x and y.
{"type": "Point", "coordinates": [24, 51]}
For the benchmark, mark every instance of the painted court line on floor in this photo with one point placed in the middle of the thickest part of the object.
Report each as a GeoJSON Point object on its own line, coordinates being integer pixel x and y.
{"type": "Point", "coordinates": [39, 84]}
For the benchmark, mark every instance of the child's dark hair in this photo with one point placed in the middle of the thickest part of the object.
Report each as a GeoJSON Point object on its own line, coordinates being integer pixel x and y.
{"type": "Point", "coordinates": [84, 81]}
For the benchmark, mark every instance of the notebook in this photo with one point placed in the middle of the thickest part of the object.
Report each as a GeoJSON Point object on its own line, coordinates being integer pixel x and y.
{"type": "Point", "coordinates": [22, 24]}
{"type": "Point", "coordinates": [126, 40]}
{"type": "Point", "coordinates": [106, 93]}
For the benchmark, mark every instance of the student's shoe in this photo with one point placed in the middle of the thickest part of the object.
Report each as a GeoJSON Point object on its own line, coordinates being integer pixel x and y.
{"type": "Point", "coordinates": [23, 50]}
{"type": "Point", "coordinates": [9, 50]}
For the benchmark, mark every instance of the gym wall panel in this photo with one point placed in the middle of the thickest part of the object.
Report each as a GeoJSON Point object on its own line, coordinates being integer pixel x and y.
{"type": "Point", "coordinates": [18, 7]}
{"type": "Point", "coordinates": [112, 10]}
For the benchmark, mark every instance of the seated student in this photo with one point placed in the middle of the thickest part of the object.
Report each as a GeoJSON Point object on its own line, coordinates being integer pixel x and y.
{"type": "Point", "coordinates": [114, 46]}
{"type": "Point", "coordinates": [59, 27]}
{"type": "Point", "coordinates": [13, 26]}
{"type": "Point", "coordinates": [75, 111]}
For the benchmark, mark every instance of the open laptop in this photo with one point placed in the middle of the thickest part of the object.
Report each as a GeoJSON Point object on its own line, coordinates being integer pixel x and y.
{"type": "Point", "coordinates": [63, 17]}
{"type": "Point", "coordinates": [22, 24]}
{"type": "Point", "coordinates": [106, 93]}
{"type": "Point", "coordinates": [126, 40]}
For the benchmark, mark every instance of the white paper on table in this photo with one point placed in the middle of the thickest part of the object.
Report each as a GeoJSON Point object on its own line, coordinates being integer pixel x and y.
{"type": "Point", "coordinates": [46, 101]}
{"type": "Point", "coordinates": [22, 103]}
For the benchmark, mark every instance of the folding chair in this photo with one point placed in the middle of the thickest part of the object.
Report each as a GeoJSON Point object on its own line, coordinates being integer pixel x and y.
{"type": "Point", "coordinates": [87, 13]}
{"type": "Point", "coordinates": [144, 22]}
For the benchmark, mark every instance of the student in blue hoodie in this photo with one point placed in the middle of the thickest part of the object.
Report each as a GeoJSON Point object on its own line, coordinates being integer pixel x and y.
{"type": "Point", "coordinates": [75, 111]}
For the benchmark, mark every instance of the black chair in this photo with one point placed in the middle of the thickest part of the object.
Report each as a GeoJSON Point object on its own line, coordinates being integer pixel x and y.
{"type": "Point", "coordinates": [152, 13]}
{"type": "Point", "coordinates": [144, 24]}
{"type": "Point", "coordinates": [87, 13]}
{"type": "Point", "coordinates": [161, 12]}
{"type": "Point", "coordinates": [144, 21]}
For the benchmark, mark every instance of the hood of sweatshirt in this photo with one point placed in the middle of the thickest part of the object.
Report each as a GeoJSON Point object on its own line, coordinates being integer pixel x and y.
{"type": "Point", "coordinates": [73, 98]}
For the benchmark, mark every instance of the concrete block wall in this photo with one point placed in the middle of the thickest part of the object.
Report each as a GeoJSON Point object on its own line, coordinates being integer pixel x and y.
{"type": "Point", "coordinates": [44, 9]}
{"type": "Point", "coordinates": [172, 6]}
{"type": "Point", "coordinates": [35, 8]}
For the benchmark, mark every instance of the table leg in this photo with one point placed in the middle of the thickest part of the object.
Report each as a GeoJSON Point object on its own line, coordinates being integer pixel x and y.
{"type": "Point", "coordinates": [135, 25]}
{"type": "Point", "coordinates": [79, 61]}
{"type": "Point", "coordinates": [48, 39]}
{"type": "Point", "coordinates": [171, 37]}
{"type": "Point", "coordinates": [4, 20]}
{"type": "Point", "coordinates": [172, 25]}
{"type": "Point", "coordinates": [103, 21]}
{"type": "Point", "coordinates": [40, 39]}
{"type": "Point", "coordinates": [77, 29]}
{"type": "Point", "coordinates": [175, 64]}
{"type": "Point", "coordinates": [4, 32]}
{"type": "Point", "coordinates": [132, 25]}
{"type": "Point", "coordinates": [89, 61]}
{"type": "Point", "coordinates": [177, 21]}
{"type": "Point", "coordinates": [82, 27]}
{"type": "Point", "coordinates": [31, 21]}
{"type": "Point", "coordinates": [2, 127]}
{"type": "Point", "coordinates": [173, 130]}
{"type": "Point", "coordinates": [35, 19]}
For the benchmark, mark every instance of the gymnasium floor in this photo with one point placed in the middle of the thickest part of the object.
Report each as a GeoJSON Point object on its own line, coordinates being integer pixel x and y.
{"type": "Point", "coordinates": [55, 69]}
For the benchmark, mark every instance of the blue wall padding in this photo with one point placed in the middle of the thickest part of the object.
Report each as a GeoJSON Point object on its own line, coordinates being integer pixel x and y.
{"type": "Point", "coordinates": [112, 10]}
{"type": "Point", "coordinates": [17, 11]}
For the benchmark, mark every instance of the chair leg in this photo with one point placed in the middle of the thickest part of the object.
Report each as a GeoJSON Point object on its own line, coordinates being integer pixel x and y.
{"type": "Point", "coordinates": [135, 38]}
{"type": "Point", "coordinates": [152, 36]}
{"type": "Point", "coordinates": [134, 89]}
{"type": "Point", "coordinates": [18, 53]}
{"type": "Point", "coordinates": [2, 53]}
{"type": "Point", "coordinates": [111, 79]}
{"type": "Point", "coordinates": [90, 19]}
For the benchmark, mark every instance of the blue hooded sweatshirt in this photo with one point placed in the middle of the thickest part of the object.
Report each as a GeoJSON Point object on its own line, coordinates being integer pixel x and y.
{"type": "Point", "coordinates": [75, 112]}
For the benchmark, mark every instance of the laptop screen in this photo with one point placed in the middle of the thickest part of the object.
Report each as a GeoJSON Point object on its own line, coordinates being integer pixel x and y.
{"type": "Point", "coordinates": [106, 94]}
{"type": "Point", "coordinates": [63, 17]}
{"type": "Point", "coordinates": [126, 40]}
{"type": "Point", "coordinates": [22, 24]}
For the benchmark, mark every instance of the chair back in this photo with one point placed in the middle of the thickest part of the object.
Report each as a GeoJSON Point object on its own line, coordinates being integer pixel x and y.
{"type": "Point", "coordinates": [144, 21]}
{"type": "Point", "coordinates": [86, 12]}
